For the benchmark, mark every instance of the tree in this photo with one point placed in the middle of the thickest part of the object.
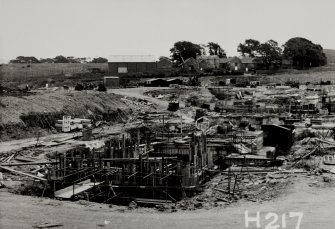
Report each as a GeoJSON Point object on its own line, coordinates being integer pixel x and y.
{"type": "Point", "coordinates": [249, 47]}
{"type": "Point", "coordinates": [24, 60]}
{"type": "Point", "coordinates": [72, 59]}
{"type": "Point", "coordinates": [269, 53]}
{"type": "Point", "coordinates": [215, 49]}
{"type": "Point", "coordinates": [99, 60]}
{"type": "Point", "coordinates": [263, 53]}
{"type": "Point", "coordinates": [183, 50]}
{"type": "Point", "coordinates": [47, 60]}
{"type": "Point", "coordinates": [61, 59]}
{"type": "Point", "coordinates": [304, 53]}
{"type": "Point", "coordinates": [203, 49]}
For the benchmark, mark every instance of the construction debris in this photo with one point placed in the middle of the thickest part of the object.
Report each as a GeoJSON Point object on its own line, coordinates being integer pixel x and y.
{"type": "Point", "coordinates": [49, 225]}
{"type": "Point", "coordinates": [211, 152]}
{"type": "Point", "coordinates": [68, 124]}
{"type": "Point", "coordinates": [22, 173]}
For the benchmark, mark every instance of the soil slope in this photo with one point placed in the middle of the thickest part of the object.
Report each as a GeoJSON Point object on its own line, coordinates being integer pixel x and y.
{"type": "Point", "coordinates": [20, 115]}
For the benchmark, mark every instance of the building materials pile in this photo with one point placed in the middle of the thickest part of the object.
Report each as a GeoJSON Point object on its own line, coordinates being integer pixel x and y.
{"type": "Point", "coordinates": [68, 124]}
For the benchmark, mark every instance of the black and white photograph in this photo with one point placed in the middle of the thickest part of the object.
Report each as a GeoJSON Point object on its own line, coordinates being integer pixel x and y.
{"type": "Point", "coordinates": [161, 114]}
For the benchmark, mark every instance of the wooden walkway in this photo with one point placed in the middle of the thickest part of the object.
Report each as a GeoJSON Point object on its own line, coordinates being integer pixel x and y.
{"type": "Point", "coordinates": [73, 190]}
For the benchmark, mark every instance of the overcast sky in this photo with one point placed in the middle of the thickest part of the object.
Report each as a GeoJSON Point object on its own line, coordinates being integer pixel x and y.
{"type": "Point", "coordinates": [91, 28]}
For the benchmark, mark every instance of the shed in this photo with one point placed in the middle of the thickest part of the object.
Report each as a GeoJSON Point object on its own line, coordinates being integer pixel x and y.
{"type": "Point", "coordinates": [132, 64]}
{"type": "Point", "coordinates": [280, 136]}
{"type": "Point", "coordinates": [112, 81]}
{"type": "Point", "coordinates": [156, 83]}
{"type": "Point", "coordinates": [175, 81]}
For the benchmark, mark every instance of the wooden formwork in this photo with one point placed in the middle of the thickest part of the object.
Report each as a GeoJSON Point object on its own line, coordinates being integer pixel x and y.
{"type": "Point", "coordinates": [163, 170]}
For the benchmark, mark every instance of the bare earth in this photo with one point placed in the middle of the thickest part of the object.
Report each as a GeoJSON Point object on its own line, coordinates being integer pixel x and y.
{"type": "Point", "coordinates": [316, 202]}
{"type": "Point", "coordinates": [309, 195]}
{"type": "Point", "coordinates": [138, 93]}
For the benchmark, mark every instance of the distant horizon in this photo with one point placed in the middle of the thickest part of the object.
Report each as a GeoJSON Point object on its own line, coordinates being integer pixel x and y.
{"type": "Point", "coordinates": [91, 58]}
{"type": "Point", "coordinates": [84, 28]}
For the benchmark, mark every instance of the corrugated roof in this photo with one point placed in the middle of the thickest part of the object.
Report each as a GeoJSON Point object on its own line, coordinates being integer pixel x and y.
{"type": "Point", "coordinates": [131, 58]}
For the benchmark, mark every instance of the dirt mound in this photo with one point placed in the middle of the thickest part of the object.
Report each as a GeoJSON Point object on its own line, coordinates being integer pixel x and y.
{"type": "Point", "coordinates": [42, 110]}
{"type": "Point", "coordinates": [31, 188]}
{"type": "Point", "coordinates": [74, 103]}
{"type": "Point", "coordinates": [5, 91]}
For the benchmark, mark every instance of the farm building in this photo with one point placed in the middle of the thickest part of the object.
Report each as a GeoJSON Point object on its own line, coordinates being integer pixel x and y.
{"type": "Point", "coordinates": [201, 63]}
{"type": "Point", "coordinates": [208, 62]}
{"type": "Point", "coordinates": [138, 65]}
{"type": "Point", "coordinates": [112, 82]}
{"type": "Point", "coordinates": [190, 64]}
{"type": "Point", "coordinates": [132, 64]}
{"type": "Point", "coordinates": [231, 64]}
{"type": "Point", "coordinates": [224, 63]}
{"type": "Point", "coordinates": [247, 64]}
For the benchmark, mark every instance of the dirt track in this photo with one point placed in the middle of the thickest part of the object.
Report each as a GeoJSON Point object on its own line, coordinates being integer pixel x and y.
{"type": "Point", "coordinates": [317, 204]}
{"type": "Point", "coordinates": [138, 93]}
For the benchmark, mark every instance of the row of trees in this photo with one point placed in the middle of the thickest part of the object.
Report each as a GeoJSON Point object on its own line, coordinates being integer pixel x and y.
{"type": "Point", "coordinates": [300, 51]}
{"type": "Point", "coordinates": [57, 59]}
{"type": "Point", "coordinates": [183, 50]}
{"type": "Point", "coordinates": [266, 53]}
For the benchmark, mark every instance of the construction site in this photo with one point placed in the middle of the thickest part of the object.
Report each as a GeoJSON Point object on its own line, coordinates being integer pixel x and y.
{"type": "Point", "coordinates": [159, 155]}
{"type": "Point", "coordinates": [167, 114]}
{"type": "Point", "coordinates": [229, 141]}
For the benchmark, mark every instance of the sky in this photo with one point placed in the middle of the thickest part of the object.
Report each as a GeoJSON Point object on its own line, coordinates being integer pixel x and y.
{"type": "Point", "coordinates": [92, 28]}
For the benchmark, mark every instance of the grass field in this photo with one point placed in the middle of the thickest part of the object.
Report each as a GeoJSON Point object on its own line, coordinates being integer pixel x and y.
{"type": "Point", "coordinates": [325, 73]}
{"type": "Point", "coordinates": [14, 71]}
{"type": "Point", "coordinates": [330, 53]}
{"type": "Point", "coordinates": [303, 77]}
{"type": "Point", "coordinates": [37, 75]}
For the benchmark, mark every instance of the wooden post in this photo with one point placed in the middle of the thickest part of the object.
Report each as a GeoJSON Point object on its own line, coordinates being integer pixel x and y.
{"type": "Point", "coordinates": [140, 175]}
{"type": "Point", "coordinates": [123, 146]}
{"type": "Point", "coordinates": [64, 164]}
